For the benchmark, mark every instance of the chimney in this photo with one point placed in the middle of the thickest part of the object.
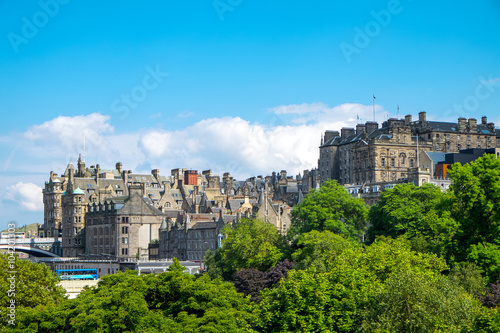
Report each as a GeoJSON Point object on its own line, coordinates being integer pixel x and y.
{"type": "Point", "coordinates": [360, 128]}
{"type": "Point", "coordinates": [119, 167]}
{"type": "Point", "coordinates": [330, 134]}
{"type": "Point", "coordinates": [371, 126]}
{"type": "Point", "coordinates": [156, 174]}
{"type": "Point", "coordinates": [408, 119]}
{"type": "Point", "coordinates": [473, 125]}
{"type": "Point", "coordinates": [421, 116]}
{"type": "Point", "coordinates": [484, 120]}
{"type": "Point", "coordinates": [462, 124]}
{"type": "Point", "coordinates": [346, 131]}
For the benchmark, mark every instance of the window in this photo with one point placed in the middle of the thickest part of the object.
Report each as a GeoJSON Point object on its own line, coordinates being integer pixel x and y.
{"type": "Point", "coordinates": [383, 161]}
{"type": "Point", "coordinates": [124, 230]}
{"type": "Point", "coordinates": [468, 137]}
{"type": "Point", "coordinates": [429, 136]}
{"type": "Point", "coordinates": [437, 136]}
{"type": "Point", "coordinates": [124, 240]}
{"type": "Point", "coordinates": [447, 136]}
{"type": "Point", "coordinates": [392, 162]}
{"type": "Point", "coordinates": [124, 251]}
{"type": "Point", "coordinates": [459, 146]}
{"type": "Point", "coordinates": [411, 162]}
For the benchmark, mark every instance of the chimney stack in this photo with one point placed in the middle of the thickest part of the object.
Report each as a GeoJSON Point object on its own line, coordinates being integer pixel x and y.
{"type": "Point", "coordinates": [371, 126]}
{"type": "Point", "coordinates": [422, 116]}
{"type": "Point", "coordinates": [472, 125]}
{"type": "Point", "coordinates": [360, 128]}
{"type": "Point", "coordinates": [462, 124]}
{"type": "Point", "coordinates": [346, 131]}
{"type": "Point", "coordinates": [408, 119]}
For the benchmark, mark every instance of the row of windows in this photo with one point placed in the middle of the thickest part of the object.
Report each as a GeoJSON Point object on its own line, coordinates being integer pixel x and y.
{"type": "Point", "coordinates": [393, 162]}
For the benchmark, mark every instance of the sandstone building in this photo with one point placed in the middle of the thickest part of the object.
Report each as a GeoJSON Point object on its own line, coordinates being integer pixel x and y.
{"type": "Point", "coordinates": [373, 155]}
{"type": "Point", "coordinates": [114, 213]}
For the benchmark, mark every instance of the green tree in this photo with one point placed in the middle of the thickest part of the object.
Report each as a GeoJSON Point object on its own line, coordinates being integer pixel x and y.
{"type": "Point", "coordinates": [413, 302]}
{"type": "Point", "coordinates": [475, 193]}
{"type": "Point", "coordinates": [330, 208]}
{"type": "Point", "coordinates": [176, 266]}
{"type": "Point", "coordinates": [250, 244]}
{"type": "Point", "coordinates": [319, 249]}
{"type": "Point", "coordinates": [386, 256]}
{"type": "Point", "coordinates": [34, 284]}
{"type": "Point", "coordinates": [125, 302]}
{"type": "Point", "coordinates": [311, 301]}
{"type": "Point", "coordinates": [402, 210]}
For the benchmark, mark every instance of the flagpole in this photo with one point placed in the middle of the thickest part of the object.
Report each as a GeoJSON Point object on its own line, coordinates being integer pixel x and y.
{"type": "Point", "coordinates": [373, 107]}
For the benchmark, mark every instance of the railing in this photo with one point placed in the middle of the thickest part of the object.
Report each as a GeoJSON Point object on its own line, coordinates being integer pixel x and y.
{"type": "Point", "coordinates": [29, 241]}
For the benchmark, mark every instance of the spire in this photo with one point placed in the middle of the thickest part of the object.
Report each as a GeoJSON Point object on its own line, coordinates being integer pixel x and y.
{"type": "Point", "coordinates": [163, 225]}
{"type": "Point", "coordinates": [301, 197]}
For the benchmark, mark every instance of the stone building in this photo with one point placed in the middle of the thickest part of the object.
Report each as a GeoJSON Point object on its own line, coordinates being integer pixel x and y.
{"type": "Point", "coordinates": [123, 227]}
{"type": "Point", "coordinates": [189, 236]}
{"type": "Point", "coordinates": [373, 155]}
{"type": "Point", "coordinates": [115, 213]}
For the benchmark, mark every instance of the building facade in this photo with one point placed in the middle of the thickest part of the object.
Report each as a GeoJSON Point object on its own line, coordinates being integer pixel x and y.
{"type": "Point", "coordinates": [373, 155]}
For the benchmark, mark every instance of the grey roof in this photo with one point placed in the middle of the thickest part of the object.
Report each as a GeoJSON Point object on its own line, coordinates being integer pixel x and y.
{"type": "Point", "coordinates": [441, 126]}
{"type": "Point", "coordinates": [436, 157]}
{"type": "Point", "coordinates": [234, 204]}
{"type": "Point", "coordinates": [176, 194]}
{"type": "Point", "coordinates": [204, 225]}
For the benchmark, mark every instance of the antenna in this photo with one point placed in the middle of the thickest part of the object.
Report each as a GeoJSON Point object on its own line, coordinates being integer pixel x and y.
{"type": "Point", "coordinates": [398, 111]}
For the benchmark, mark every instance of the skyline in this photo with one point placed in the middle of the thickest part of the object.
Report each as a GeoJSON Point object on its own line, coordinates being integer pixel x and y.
{"type": "Point", "coordinates": [238, 86]}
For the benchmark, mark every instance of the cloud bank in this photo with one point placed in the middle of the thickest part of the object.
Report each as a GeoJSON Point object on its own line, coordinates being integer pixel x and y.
{"type": "Point", "coordinates": [27, 195]}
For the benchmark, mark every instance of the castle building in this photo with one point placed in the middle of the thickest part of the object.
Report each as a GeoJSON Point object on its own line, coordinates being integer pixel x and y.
{"type": "Point", "coordinates": [392, 153]}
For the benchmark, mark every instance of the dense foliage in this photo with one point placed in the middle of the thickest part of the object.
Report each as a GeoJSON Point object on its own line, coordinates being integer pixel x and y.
{"type": "Point", "coordinates": [330, 208]}
{"type": "Point", "coordinates": [33, 284]}
{"type": "Point", "coordinates": [248, 244]}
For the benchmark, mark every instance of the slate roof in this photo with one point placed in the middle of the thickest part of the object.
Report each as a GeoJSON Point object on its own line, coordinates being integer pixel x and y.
{"type": "Point", "coordinates": [204, 225]}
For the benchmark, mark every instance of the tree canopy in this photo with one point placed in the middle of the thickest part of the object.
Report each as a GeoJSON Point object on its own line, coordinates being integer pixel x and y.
{"type": "Point", "coordinates": [330, 208]}
{"type": "Point", "coordinates": [35, 284]}
{"type": "Point", "coordinates": [249, 244]}
{"type": "Point", "coordinates": [402, 210]}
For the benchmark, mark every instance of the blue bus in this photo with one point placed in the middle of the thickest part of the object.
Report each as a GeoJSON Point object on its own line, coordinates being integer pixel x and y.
{"type": "Point", "coordinates": [77, 274]}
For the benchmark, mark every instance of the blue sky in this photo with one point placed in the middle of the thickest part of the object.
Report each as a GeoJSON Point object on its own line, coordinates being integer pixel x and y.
{"type": "Point", "coordinates": [240, 86]}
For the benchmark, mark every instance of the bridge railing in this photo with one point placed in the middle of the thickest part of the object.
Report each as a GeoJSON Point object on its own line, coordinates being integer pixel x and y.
{"type": "Point", "coordinates": [24, 241]}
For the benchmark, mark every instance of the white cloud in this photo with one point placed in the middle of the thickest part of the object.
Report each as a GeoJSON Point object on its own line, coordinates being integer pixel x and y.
{"type": "Point", "coordinates": [287, 139]}
{"type": "Point", "coordinates": [243, 148]}
{"type": "Point", "coordinates": [68, 133]}
{"type": "Point", "coordinates": [27, 195]}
